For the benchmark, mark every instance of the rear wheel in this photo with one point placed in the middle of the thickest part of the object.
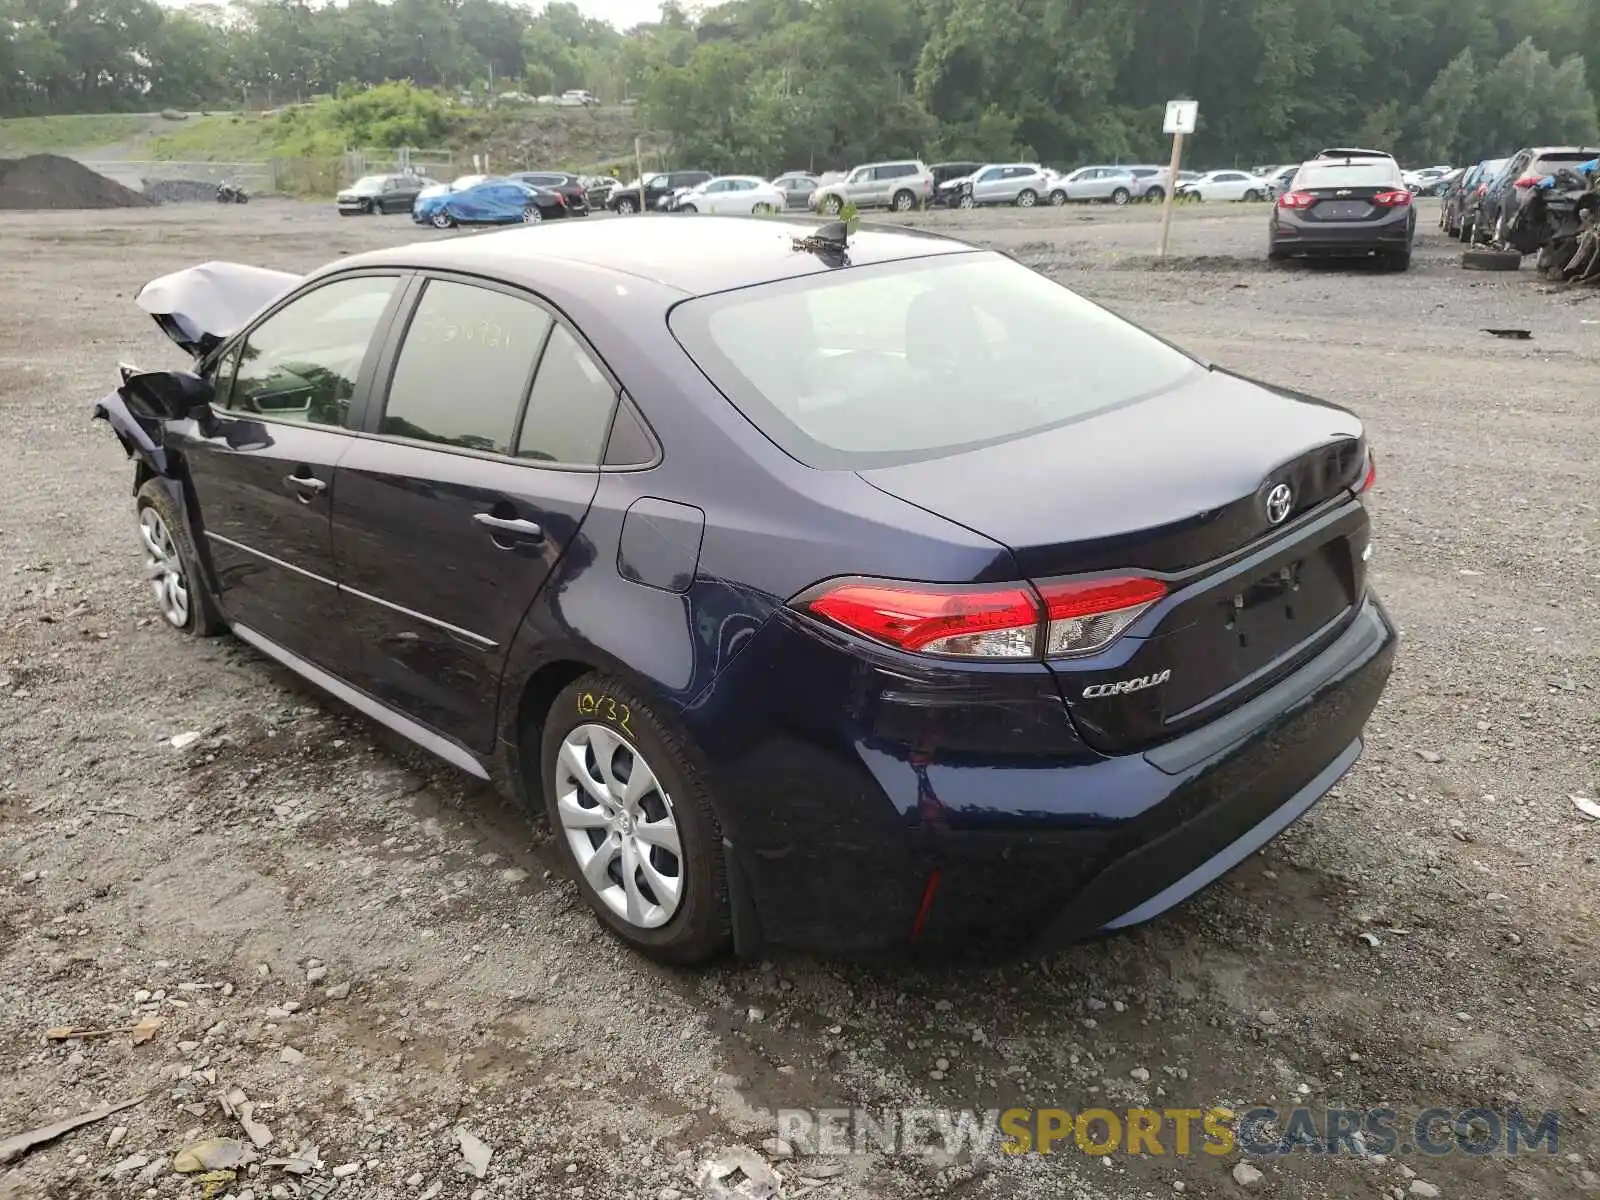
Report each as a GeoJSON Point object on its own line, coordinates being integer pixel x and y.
{"type": "Point", "coordinates": [531, 215]}
{"type": "Point", "coordinates": [832, 205]}
{"type": "Point", "coordinates": [1121, 196]}
{"type": "Point", "coordinates": [904, 201]}
{"type": "Point", "coordinates": [1027, 198]}
{"type": "Point", "coordinates": [171, 566]}
{"type": "Point", "coordinates": [441, 220]}
{"type": "Point", "coordinates": [1058, 198]}
{"type": "Point", "coordinates": [630, 807]}
{"type": "Point", "coordinates": [1400, 260]}
{"type": "Point", "coordinates": [627, 205]}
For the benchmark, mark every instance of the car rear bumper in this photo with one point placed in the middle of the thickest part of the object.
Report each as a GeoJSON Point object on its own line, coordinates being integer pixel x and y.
{"type": "Point", "coordinates": [852, 839]}
{"type": "Point", "coordinates": [1331, 238]}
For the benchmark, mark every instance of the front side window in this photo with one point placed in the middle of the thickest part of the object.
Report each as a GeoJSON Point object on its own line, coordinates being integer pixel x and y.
{"type": "Point", "coordinates": [464, 367]}
{"type": "Point", "coordinates": [302, 363]}
{"type": "Point", "coordinates": [906, 361]}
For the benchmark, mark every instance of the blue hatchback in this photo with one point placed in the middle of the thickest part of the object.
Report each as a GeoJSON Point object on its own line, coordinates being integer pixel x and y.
{"type": "Point", "coordinates": [491, 202]}
{"type": "Point", "coordinates": [848, 590]}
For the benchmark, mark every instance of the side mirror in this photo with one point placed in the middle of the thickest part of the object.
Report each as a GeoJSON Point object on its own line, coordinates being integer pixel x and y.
{"type": "Point", "coordinates": [166, 395]}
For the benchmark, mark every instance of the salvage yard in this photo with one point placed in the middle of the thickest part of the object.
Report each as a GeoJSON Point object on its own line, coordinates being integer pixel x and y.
{"type": "Point", "coordinates": [374, 951]}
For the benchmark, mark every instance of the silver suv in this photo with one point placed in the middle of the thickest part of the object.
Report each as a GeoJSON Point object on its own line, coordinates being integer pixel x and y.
{"type": "Point", "coordinates": [998, 183]}
{"type": "Point", "coordinates": [1115, 184]}
{"type": "Point", "coordinates": [901, 185]}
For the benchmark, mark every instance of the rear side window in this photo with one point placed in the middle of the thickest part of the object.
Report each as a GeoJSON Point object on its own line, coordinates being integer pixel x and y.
{"type": "Point", "coordinates": [464, 367]}
{"type": "Point", "coordinates": [1546, 164]}
{"type": "Point", "coordinates": [569, 411]}
{"type": "Point", "coordinates": [906, 361]}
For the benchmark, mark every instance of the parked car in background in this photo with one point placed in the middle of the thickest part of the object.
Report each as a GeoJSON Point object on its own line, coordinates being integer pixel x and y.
{"type": "Point", "coordinates": [577, 98]}
{"type": "Point", "coordinates": [943, 173]}
{"type": "Point", "coordinates": [1458, 213]}
{"type": "Point", "coordinates": [733, 194]}
{"type": "Point", "coordinates": [1356, 207]}
{"type": "Point", "coordinates": [1227, 186]}
{"type": "Point", "coordinates": [457, 184]}
{"type": "Point", "coordinates": [1508, 191]}
{"type": "Point", "coordinates": [1420, 180]}
{"type": "Point", "coordinates": [1149, 183]}
{"type": "Point", "coordinates": [901, 185]}
{"type": "Point", "coordinates": [569, 185]}
{"type": "Point", "coordinates": [379, 194]}
{"type": "Point", "coordinates": [872, 679]}
{"type": "Point", "coordinates": [796, 187]}
{"type": "Point", "coordinates": [492, 202]}
{"type": "Point", "coordinates": [1353, 152]}
{"type": "Point", "coordinates": [1113, 184]}
{"type": "Point", "coordinates": [597, 189]}
{"type": "Point", "coordinates": [636, 197]}
{"type": "Point", "coordinates": [998, 183]}
{"type": "Point", "coordinates": [1280, 180]}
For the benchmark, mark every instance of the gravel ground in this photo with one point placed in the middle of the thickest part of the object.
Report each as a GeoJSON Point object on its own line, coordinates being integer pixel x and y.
{"type": "Point", "coordinates": [372, 949]}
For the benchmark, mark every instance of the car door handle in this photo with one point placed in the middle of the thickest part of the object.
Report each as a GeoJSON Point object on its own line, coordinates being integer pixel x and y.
{"type": "Point", "coordinates": [306, 483]}
{"type": "Point", "coordinates": [516, 525]}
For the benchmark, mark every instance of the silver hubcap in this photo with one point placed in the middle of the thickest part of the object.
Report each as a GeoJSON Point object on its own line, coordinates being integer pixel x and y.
{"type": "Point", "coordinates": [1026, 199]}
{"type": "Point", "coordinates": [621, 826]}
{"type": "Point", "coordinates": [163, 568]}
{"type": "Point", "coordinates": [441, 220]}
{"type": "Point", "coordinates": [532, 216]}
{"type": "Point", "coordinates": [967, 202]}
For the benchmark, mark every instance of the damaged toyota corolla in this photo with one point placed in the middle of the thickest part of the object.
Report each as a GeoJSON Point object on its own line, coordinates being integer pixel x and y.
{"type": "Point", "coordinates": [831, 588]}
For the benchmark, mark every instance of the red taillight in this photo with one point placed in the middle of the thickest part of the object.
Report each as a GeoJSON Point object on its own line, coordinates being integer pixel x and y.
{"type": "Point", "coordinates": [1482, 188]}
{"type": "Point", "coordinates": [1396, 199]}
{"type": "Point", "coordinates": [1077, 616]}
{"type": "Point", "coordinates": [1528, 181]}
{"type": "Point", "coordinates": [1370, 477]}
{"type": "Point", "coordinates": [964, 622]}
{"type": "Point", "coordinates": [1296, 200]}
{"type": "Point", "coordinates": [1086, 615]}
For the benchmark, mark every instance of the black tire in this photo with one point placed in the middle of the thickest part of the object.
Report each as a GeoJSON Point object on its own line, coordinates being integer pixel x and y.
{"type": "Point", "coordinates": [367, 208]}
{"type": "Point", "coordinates": [1491, 260]}
{"type": "Point", "coordinates": [966, 201]}
{"type": "Point", "coordinates": [701, 927]}
{"type": "Point", "coordinates": [832, 205]}
{"type": "Point", "coordinates": [627, 205]}
{"type": "Point", "coordinates": [1252, 196]}
{"type": "Point", "coordinates": [903, 201]}
{"type": "Point", "coordinates": [689, 208]}
{"type": "Point", "coordinates": [442, 220]}
{"type": "Point", "coordinates": [1400, 260]}
{"type": "Point", "coordinates": [1121, 196]}
{"type": "Point", "coordinates": [1156, 194]}
{"type": "Point", "coordinates": [204, 618]}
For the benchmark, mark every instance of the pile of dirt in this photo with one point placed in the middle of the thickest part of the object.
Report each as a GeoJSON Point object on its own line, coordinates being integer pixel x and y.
{"type": "Point", "coordinates": [50, 181]}
{"type": "Point", "coordinates": [178, 191]}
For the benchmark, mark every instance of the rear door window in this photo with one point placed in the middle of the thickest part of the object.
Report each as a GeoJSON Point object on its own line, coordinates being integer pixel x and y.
{"type": "Point", "coordinates": [569, 411]}
{"type": "Point", "coordinates": [464, 367]}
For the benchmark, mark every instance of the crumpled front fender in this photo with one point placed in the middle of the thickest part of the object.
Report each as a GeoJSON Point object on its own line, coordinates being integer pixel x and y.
{"type": "Point", "coordinates": [137, 438]}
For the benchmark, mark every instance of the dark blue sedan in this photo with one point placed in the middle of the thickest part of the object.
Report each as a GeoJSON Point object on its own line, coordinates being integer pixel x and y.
{"type": "Point", "coordinates": [491, 202]}
{"type": "Point", "coordinates": [856, 591]}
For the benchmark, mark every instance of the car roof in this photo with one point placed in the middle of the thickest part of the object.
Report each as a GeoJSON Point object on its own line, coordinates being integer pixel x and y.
{"type": "Point", "coordinates": [692, 256]}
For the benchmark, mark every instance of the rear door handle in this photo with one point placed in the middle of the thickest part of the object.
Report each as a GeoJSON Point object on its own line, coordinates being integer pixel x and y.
{"type": "Point", "coordinates": [516, 525]}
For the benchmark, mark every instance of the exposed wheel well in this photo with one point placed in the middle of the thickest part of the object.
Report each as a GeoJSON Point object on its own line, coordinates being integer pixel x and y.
{"type": "Point", "coordinates": [538, 694]}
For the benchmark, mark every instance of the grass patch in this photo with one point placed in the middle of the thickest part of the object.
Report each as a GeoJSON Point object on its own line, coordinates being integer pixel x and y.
{"type": "Point", "coordinates": [41, 135]}
{"type": "Point", "coordinates": [225, 137]}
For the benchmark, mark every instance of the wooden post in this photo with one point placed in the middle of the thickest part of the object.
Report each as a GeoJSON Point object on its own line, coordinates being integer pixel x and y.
{"type": "Point", "coordinates": [1172, 191]}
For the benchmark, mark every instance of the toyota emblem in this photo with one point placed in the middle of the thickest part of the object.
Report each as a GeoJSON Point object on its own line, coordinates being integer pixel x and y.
{"type": "Point", "coordinates": [1279, 501]}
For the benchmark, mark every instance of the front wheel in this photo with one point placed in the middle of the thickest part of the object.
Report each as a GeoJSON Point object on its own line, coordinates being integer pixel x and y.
{"type": "Point", "coordinates": [1156, 194]}
{"type": "Point", "coordinates": [1027, 198]}
{"type": "Point", "coordinates": [627, 206]}
{"type": "Point", "coordinates": [1120, 197]}
{"type": "Point", "coordinates": [832, 205]}
{"type": "Point", "coordinates": [531, 215]}
{"type": "Point", "coordinates": [171, 565]}
{"type": "Point", "coordinates": [904, 202]}
{"type": "Point", "coordinates": [966, 201]}
{"type": "Point", "coordinates": [1058, 198]}
{"type": "Point", "coordinates": [762, 210]}
{"type": "Point", "coordinates": [630, 807]}
{"type": "Point", "coordinates": [688, 208]}
{"type": "Point", "coordinates": [441, 220]}
{"type": "Point", "coordinates": [1252, 196]}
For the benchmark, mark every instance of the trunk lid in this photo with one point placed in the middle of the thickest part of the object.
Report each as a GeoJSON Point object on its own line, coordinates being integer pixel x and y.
{"type": "Point", "coordinates": [1176, 486]}
{"type": "Point", "coordinates": [1350, 203]}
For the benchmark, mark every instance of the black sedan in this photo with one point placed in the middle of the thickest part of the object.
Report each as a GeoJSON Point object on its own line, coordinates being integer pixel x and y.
{"type": "Point", "coordinates": [377, 194]}
{"type": "Point", "coordinates": [691, 534]}
{"type": "Point", "coordinates": [570, 186]}
{"type": "Point", "coordinates": [1345, 208]}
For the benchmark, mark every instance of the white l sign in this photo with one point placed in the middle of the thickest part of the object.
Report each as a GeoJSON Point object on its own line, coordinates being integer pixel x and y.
{"type": "Point", "coordinates": [1181, 116]}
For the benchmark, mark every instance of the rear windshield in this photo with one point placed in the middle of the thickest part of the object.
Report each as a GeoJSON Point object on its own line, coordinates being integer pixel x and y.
{"type": "Point", "coordinates": [1356, 174]}
{"type": "Point", "coordinates": [1558, 157]}
{"type": "Point", "coordinates": [900, 362]}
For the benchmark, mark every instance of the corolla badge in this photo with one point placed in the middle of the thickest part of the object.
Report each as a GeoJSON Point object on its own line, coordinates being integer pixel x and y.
{"type": "Point", "coordinates": [1123, 687]}
{"type": "Point", "coordinates": [1279, 501]}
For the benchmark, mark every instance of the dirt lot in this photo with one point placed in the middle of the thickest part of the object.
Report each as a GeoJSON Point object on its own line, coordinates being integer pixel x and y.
{"type": "Point", "coordinates": [371, 947]}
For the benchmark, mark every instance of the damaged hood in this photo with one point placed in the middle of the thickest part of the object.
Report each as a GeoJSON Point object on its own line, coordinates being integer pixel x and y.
{"type": "Point", "coordinates": [199, 307]}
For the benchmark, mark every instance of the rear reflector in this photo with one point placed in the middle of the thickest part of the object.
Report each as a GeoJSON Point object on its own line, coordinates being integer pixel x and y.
{"type": "Point", "coordinates": [1370, 476]}
{"type": "Point", "coordinates": [1395, 199]}
{"type": "Point", "coordinates": [1296, 200]}
{"type": "Point", "coordinates": [1063, 618]}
